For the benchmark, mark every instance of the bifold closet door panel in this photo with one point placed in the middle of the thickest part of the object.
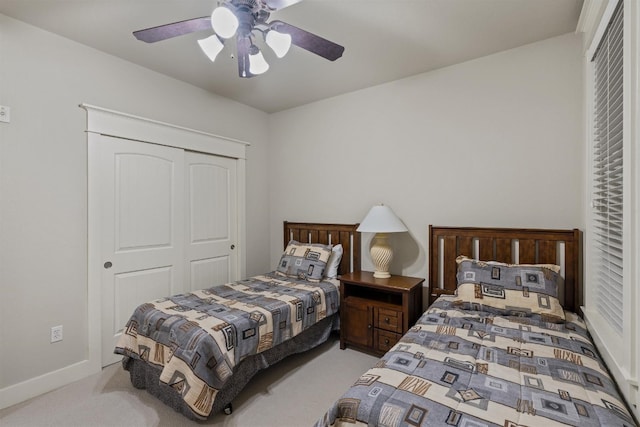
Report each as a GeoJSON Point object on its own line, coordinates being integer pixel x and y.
{"type": "Point", "coordinates": [211, 218]}
{"type": "Point", "coordinates": [141, 192]}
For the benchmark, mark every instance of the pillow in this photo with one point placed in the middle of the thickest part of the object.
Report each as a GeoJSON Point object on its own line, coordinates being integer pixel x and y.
{"type": "Point", "coordinates": [305, 261]}
{"type": "Point", "coordinates": [333, 264]}
{"type": "Point", "coordinates": [510, 289]}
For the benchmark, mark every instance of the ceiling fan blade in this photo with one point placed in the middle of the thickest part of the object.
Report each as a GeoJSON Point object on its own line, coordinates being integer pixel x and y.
{"type": "Point", "coordinates": [309, 41]}
{"type": "Point", "coordinates": [167, 31]}
{"type": "Point", "coordinates": [279, 4]}
{"type": "Point", "coordinates": [242, 46]}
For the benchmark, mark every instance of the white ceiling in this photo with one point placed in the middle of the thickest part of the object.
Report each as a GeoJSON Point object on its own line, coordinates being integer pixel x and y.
{"type": "Point", "coordinates": [384, 40]}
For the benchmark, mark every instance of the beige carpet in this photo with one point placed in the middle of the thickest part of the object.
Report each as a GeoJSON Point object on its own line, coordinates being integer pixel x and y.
{"type": "Point", "coordinates": [295, 392]}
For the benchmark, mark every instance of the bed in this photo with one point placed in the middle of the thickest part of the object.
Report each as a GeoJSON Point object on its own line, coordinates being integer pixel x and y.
{"type": "Point", "coordinates": [496, 347]}
{"type": "Point", "coordinates": [196, 351]}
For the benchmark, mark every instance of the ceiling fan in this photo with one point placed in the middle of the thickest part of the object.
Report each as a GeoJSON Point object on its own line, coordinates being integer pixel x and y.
{"type": "Point", "coordinates": [246, 20]}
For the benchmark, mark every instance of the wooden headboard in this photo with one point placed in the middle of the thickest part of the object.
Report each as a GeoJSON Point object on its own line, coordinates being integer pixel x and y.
{"type": "Point", "coordinates": [344, 234]}
{"type": "Point", "coordinates": [509, 245]}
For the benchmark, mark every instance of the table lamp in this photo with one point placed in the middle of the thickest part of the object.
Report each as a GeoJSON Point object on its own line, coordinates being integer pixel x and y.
{"type": "Point", "coordinates": [382, 221]}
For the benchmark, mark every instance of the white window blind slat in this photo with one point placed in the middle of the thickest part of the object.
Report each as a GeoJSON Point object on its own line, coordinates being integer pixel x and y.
{"type": "Point", "coordinates": [615, 116]}
{"type": "Point", "coordinates": [611, 299]}
{"type": "Point", "coordinates": [610, 249]}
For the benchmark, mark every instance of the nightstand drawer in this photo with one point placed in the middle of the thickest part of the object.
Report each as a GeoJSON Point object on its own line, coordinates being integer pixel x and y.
{"type": "Point", "coordinates": [390, 320]}
{"type": "Point", "coordinates": [384, 340]}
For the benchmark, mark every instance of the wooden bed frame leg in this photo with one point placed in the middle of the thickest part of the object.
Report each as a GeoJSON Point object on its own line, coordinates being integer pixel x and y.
{"type": "Point", "coordinates": [228, 409]}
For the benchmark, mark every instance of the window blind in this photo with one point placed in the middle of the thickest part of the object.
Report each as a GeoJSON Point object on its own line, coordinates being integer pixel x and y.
{"type": "Point", "coordinates": [607, 196]}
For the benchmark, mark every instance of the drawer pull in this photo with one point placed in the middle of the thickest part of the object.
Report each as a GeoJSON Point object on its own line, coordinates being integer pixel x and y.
{"type": "Point", "coordinates": [369, 326]}
{"type": "Point", "coordinates": [386, 319]}
{"type": "Point", "coordinates": [386, 341]}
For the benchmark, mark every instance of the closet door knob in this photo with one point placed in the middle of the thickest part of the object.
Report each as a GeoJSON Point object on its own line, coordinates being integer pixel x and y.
{"type": "Point", "coordinates": [233, 247]}
{"type": "Point", "coordinates": [108, 264]}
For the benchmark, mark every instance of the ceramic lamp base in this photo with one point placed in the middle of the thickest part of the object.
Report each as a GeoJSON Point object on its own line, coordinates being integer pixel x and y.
{"type": "Point", "coordinates": [381, 255]}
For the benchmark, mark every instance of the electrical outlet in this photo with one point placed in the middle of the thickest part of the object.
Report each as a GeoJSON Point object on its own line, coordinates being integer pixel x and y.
{"type": "Point", "coordinates": [56, 333]}
{"type": "Point", "coordinates": [5, 114]}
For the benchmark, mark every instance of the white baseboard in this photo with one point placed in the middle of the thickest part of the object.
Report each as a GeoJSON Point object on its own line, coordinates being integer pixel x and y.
{"type": "Point", "coordinates": [33, 387]}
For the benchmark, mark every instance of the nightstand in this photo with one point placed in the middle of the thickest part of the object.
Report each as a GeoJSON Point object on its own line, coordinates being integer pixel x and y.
{"type": "Point", "coordinates": [375, 313]}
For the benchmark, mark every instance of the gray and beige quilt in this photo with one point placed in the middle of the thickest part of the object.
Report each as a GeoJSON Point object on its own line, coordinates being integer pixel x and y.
{"type": "Point", "coordinates": [462, 367]}
{"type": "Point", "coordinates": [197, 338]}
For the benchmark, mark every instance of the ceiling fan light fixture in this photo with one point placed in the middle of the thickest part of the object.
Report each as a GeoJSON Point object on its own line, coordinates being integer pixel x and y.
{"type": "Point", "coordinates": [211, 46]}
{"type": "Point", "coordinates": [241, 21]}
{"type": "Point", "coordinates": [257, 63]}
{"type": "Point", "coordinates": [279, 42]}
{"type": "Point", "coordinates": [224, 22]}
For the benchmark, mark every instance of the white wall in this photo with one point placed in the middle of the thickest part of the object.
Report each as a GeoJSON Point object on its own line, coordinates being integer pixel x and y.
{"type": "Point", "coordinates": [496, 141]}
{"type": "Point", "coordinates": [43, 184]}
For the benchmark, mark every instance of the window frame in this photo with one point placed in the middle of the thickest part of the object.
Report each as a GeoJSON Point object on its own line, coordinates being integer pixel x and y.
{"type": "Point", "coordinates": [620, 351]}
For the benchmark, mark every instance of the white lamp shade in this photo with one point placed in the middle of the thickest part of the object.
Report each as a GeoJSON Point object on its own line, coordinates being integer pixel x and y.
{"type": "Point", "coordinates": [257, 64]}
{"type": "Point", "coordinates": [211, 46]}
{"type": "Point", "coordinates": [381, 219]}
{"type": "Point", "coordinates": [224, 22]}
{"type": "Point", "coordinates": [279, 42]}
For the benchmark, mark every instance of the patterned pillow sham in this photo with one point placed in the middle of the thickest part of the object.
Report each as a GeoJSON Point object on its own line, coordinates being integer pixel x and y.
{"type": "Point", "coordinates": [305, 261]}
{"type": "Point", "coordinates": [510, 289]}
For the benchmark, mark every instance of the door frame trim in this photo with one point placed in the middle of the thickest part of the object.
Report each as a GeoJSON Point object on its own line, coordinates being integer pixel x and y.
{"type": "Point", "coordinates": [102, 121]}
{"type": "Point", "coordinates": [123, 125]}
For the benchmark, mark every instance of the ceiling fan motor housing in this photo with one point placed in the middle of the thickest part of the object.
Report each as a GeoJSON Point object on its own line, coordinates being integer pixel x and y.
{"type": "Point", "coordinates": [249, 13]}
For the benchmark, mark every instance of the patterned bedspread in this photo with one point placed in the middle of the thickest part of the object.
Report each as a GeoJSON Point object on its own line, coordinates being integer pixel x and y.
{"type": "Point", "coordinates": [198, 338]}
{"type": "Point", "coordinates": [470, 368]}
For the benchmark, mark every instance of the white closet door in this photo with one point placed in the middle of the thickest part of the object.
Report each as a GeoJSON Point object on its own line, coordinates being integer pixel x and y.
{"type": "Point", "coordinates": [211, 218]}
{"type": "Point", "coordinates": [141, 190]}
